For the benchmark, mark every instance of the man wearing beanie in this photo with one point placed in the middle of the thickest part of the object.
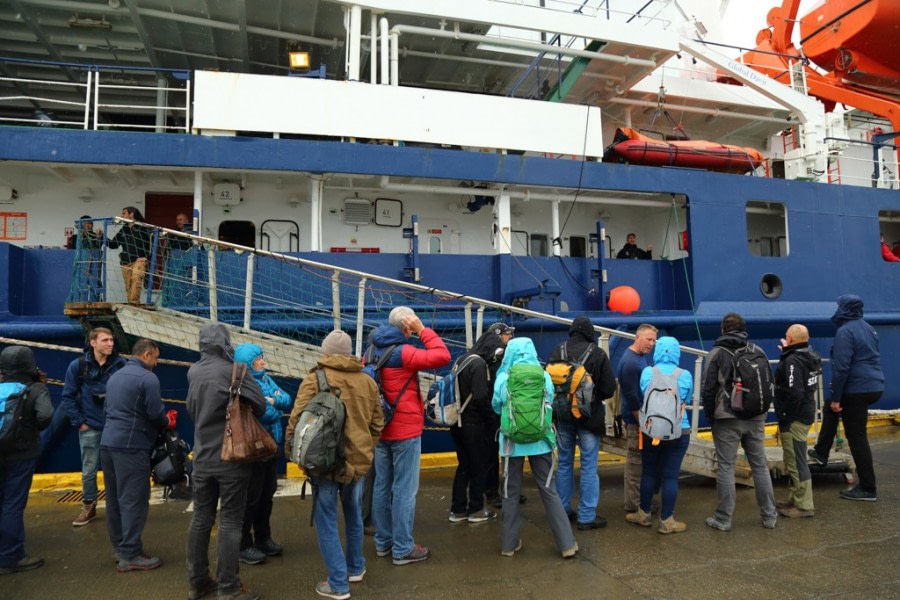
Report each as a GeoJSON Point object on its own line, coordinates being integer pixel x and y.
{"type": "Point", "coordinates": [362, 427]}
{"type": "Point", "coordinates": [397, 453]}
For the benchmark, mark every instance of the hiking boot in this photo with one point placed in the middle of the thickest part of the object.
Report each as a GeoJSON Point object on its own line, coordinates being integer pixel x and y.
{"type": "Point", "coordinates": [323, 589]}
{"type": "Point", "coordinates": [717, 524]}
{"type": "Point", "coordinates": [417, 554]}
{"type": "Point", "coordinates": [356, 578]}
{"type": "Point", "coordinates": [597, 523]}
{"type": "Point", "coordinates": [816, 457]}
{"type": "Point", "coordinates": [513, 551]}
{"type": "Point", "coordinates": [384, 552]}
{"type": "Point", "coordinates": [792, 512]}
{"type": "Point", "coordinates": [457, 517]}
{"type": "Point", "coordinates": [653, 509]}
{"type": "Point", "coordinates": [670, 525]}
{"type": "Point", "coordinates": [26, 564]}
{"type": "Point", "coordinates": [495, 501]}
{"type": "Point", "coordinates": [571, 552]}
{"type": "Point", "coordinates": [857, 493]}
{"type": "Point", "coordinates": [243, 593]}
{"type": "Point", "coordinates": [369, 530]}
{"type": "Point", "coordinates": [208, 586]}
{"type": "Point", "coordinates": [270, 547]}
{"type": "Point", "coordinates": [769, 523]}
{"type": "Point", "coordinates": [784, 504]}
{"type": "Point", "coordinates": [141, 562]}
{"type": "Point", "coordinates": [639, 518]}
{"type": "Point", "coordinates": [88, 514]}
{"type": "Point", "coordinates": [482, 516]}
{"type": "Point", "coordinates": [252, 556]}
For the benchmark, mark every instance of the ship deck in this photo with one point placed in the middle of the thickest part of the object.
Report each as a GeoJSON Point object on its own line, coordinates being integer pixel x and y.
{"type": "Point", "coordinates": [844, 551]}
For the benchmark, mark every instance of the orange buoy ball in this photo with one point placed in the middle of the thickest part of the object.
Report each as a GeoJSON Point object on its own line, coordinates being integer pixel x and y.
{"type": "Point", "coordinates": [624, 299]}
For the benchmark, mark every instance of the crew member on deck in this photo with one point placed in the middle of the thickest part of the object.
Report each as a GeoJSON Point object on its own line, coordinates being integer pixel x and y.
{"type": "Point", "coordinates": [630, 249]}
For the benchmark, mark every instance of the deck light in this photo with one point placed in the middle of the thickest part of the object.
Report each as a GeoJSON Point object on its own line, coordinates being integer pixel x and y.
{"type": "Point", "coordinates": [299, 61]}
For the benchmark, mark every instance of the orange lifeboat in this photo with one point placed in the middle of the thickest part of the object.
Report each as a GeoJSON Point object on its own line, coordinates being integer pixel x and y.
{"type": "Point", "coordinates": [633, 147]}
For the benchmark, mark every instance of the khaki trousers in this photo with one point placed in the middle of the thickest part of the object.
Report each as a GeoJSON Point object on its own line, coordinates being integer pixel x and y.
{"type": "Point", "coordinates": [133, 276]}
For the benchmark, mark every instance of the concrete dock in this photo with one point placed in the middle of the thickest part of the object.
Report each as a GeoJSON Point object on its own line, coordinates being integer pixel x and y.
{"type": "Point", "coordinates": [848, 550]}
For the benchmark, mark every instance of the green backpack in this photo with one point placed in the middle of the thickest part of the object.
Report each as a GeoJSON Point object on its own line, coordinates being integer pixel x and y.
{"type": "Point", "coordinates": [527, 417]}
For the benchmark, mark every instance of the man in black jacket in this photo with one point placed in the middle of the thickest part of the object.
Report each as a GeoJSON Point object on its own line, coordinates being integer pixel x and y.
{"type": "Point", "coordinates": [209, 380]}
{"type": "Point", "coordinates": [471, 433]}
{"type": "Point", "coordinates": [729, 430]}
{"type": "Point", "coordinates": [796, 382]}
{"type": "Point", "coordinates": [585, 431]}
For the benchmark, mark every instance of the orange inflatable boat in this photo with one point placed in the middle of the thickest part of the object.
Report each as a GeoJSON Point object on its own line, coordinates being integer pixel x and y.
{"type": "Point", "coordinates": [633, 147]}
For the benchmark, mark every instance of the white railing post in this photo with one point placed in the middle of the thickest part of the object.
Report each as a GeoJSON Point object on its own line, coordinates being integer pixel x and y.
{"type": "Point", "coordinates": [336, 299]}
{"type": "Point", "coordinates": [468, 320]}
{"type": "Point", "coordinates": [695, 398]}
{"type": "Point", "coordinates": [187, 107]}
{"type": "Point", "coordinates": [96, 97]}
{"type": "Point", "coordinates": [87, 99]}
{"type": "Point", "coordinates": [248, 290]}
{"type": "Point", "coordinates": [213, 297]}
{"type": "Point", "coordinates": [360, 322]}
{"type": "Point", "coordinates": [479, 321]}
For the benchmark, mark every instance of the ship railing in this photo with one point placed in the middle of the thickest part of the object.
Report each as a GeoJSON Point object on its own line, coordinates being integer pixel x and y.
{"type": "Point", "coordinates": [97, 97]}
{"type": "Point", "coordinates": [611, 10]}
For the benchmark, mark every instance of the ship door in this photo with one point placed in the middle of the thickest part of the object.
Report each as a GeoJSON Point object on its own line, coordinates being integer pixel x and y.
{"type": "Point", "coordinates": [438, 236]}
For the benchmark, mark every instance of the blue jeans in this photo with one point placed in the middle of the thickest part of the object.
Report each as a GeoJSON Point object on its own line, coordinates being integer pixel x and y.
{"type": "Point", "coordinates": [15, 482]}
{"type": "Point", "coordinates": [567, 435]}
{"type": "Point", "coordinates": [89, 441]}
{"type": "Point", "coordinates": [126, 474]}
{"type": "Point", "coordinates": [325, 515]}
{"type": "Point", "coordinates": [661, 465]}
{"type": "Point", "coordinates": [394, 498]}
{"type": "Point", "coordinates": [208, 489]}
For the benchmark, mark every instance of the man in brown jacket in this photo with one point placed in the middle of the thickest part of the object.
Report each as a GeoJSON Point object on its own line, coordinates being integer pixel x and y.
{"type": "Point", "coordinates": [362, 428]}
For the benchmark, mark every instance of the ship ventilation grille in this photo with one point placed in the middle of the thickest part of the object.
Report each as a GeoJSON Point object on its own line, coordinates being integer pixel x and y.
{"type": "Point", "coordinates": [357, 211]}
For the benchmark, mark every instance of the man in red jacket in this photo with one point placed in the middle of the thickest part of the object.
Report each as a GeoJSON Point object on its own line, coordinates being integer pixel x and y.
{"type": "Point", "coordinates": [398, 450]}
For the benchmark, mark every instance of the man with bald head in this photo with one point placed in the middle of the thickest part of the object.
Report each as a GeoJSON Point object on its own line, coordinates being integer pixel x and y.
{"type": "Point", "coordinates": [796, 382]}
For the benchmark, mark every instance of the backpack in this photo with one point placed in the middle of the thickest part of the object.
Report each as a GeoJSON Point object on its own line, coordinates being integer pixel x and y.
{"type": "Point", "coordinates": [443, 405]}
{"type": "Point", "coordinates": [573, 386]}
{"type": "Point", "coordinates": [169, 459]}
{"type": "Point", "coordinates": [751, 389]}
{"type": "Point", "coordinates": [526, 417]}
{"type": "Point", "coordinates": [318, 443]}
{"type": "Point", "coordinates": [14, 411]}
{"type": "Point", "coordinates": [372, 368]}
{"type": "Point", "coordinates": [662, 409]}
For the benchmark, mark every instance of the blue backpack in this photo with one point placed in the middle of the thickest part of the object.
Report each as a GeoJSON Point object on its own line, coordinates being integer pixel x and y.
{"type": "Point", "coordinates": [13, 400]}
{"type": "Point", "coordinates": [444, 405]}
{"type": "Point", "coordinates": [373, 364]}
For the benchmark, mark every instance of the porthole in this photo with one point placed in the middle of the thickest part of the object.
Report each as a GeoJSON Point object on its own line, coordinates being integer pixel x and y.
{"type": "Point", "coordinates": [770, 286]}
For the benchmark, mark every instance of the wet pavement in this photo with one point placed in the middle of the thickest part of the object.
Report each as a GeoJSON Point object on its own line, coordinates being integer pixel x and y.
{"type": "Point", "coordinates": [848, 550]}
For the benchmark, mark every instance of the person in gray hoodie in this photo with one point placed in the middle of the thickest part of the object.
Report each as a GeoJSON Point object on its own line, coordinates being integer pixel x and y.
{"type": "Point", "coordinates": [209, 380]}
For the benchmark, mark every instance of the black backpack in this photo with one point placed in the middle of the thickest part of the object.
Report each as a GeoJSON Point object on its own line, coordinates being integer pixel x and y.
{"type": "Point", "coordinates": [751, 388]}
{"type": "Point", "coordinates": [169, 460]}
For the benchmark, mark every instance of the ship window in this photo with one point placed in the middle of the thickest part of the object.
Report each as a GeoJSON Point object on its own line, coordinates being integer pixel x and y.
{"type": "Point", "coordinates": [889, 227]}
{"type": "Point", "coordinates": [238, 232]}
{"type": "Point", "coordinates": [538, 244]}
{"type": "Point", "coordinates": [434, 245]}
{"type": "Point", "coordinates": [519, 241]}
{"type": "Point", "coordinates": [767, 229]}
{"type": "Point", "coordinates": [577, 246]}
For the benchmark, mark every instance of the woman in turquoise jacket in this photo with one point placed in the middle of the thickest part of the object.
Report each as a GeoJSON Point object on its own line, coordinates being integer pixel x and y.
{"type": "Point", "coordinates": [520, 351]}
{"type": "Point", "coordinates": [264, 478]}
{"type": "Point", "coordinates": [661, 463]}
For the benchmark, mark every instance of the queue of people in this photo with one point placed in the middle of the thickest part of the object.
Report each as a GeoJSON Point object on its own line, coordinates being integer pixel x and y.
{"type": "Point", "coordinates": [108, 399]}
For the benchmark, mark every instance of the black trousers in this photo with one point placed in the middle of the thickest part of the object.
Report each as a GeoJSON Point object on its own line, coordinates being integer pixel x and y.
{"type": "Point", "coordinates": [468, 483]}
{"type": "Point", "coordinates": [855, 414]}
{"type": "Point", "coordinates": [263, 483]}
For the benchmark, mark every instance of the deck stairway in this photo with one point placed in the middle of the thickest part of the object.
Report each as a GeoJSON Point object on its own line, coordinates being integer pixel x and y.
{"type": "Point", "coordinates": [287, 304]}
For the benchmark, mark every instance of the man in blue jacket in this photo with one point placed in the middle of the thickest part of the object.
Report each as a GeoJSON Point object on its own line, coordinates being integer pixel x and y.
{"type": "Point", "coordinates": [134, 416]}
{"type": "Point", "coordinates": [856, 382]}
{"type": "Point", "coordinates": [83, 397]}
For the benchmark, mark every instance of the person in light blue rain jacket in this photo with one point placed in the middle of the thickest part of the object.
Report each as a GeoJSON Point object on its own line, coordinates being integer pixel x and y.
{"type": "Point", "coordinates": [540, 457]}
{"type": "Point", "coordinates": [264, 480]}
{"type": "Point", "coordinates": [661, 462]}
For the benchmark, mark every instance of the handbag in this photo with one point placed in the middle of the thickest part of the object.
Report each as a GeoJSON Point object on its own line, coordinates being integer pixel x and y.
{"type": "Point", "coordinates": [245, 439]}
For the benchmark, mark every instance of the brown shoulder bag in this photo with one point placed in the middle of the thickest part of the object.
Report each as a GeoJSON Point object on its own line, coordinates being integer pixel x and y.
{"type": "Point", "coordinates": [246, 440]}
